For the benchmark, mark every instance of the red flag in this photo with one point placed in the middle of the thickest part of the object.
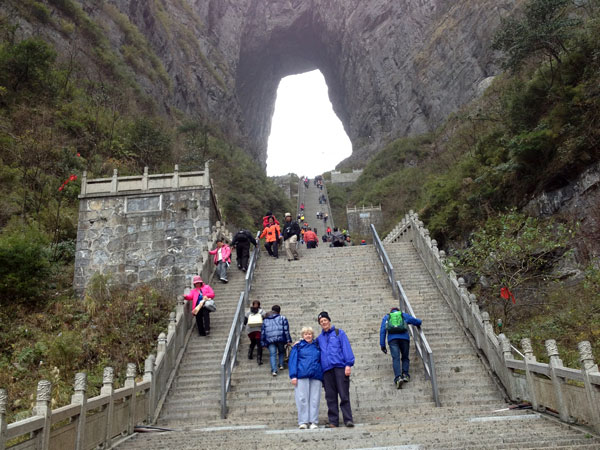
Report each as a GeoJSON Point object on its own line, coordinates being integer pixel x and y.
{"type": "Point", "coordinates": [506, 294]}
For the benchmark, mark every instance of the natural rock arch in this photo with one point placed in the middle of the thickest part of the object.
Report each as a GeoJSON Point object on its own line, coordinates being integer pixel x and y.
{"type": "Point", "coordinates": [393, 68]}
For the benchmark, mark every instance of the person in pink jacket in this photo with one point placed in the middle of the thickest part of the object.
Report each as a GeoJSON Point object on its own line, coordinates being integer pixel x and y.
{"type": "Point", "coordinates": [222, 259]}
{"type": "Point", "coordinates": [198, 296]}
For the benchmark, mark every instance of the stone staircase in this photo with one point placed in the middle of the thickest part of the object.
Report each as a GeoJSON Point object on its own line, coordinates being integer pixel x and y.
{"type": "Point", "coordinates": [195, 396]}
{"type": "Point", "coordinates": [350, 284]}
{"type": "Point", "coordinates": [312, 206]}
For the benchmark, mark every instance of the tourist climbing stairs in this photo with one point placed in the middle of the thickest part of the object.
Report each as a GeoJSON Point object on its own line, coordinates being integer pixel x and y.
{"type": "Point", "coordinates": [195, 395]}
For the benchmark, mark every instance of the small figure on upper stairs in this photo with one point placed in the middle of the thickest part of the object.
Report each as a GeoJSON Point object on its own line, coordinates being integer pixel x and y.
{"type": "Point", "coordinates": [222, 259]}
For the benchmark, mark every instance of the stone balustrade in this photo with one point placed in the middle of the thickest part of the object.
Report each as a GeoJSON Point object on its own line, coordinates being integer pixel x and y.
{"type": "Point", "coordinates": [571, 394]}
{"type": "Point", "coordinates": [145, 182]}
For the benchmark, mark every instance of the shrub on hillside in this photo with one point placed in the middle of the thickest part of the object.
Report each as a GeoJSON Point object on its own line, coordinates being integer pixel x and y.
{"type": "Point", "coordinates": [510, 254]}
{"type": "Point", "coordinates": [24, 264]}
{"type": "Point", "coordinates": [27, 66]}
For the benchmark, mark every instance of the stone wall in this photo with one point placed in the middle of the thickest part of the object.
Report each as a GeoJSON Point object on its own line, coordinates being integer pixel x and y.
{"type": "Point", "coordinates": [338, 177]}
{"type": "Point", "coordinates": [360, 219]}
{"type": "Point", "coordinates": [284, 182]}
{"type": "Point", "coordinates": [143, 235]}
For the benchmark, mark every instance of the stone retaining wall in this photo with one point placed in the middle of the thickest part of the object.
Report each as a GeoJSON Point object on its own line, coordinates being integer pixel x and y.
{"type": "Point", "coordinates": [139, 235]}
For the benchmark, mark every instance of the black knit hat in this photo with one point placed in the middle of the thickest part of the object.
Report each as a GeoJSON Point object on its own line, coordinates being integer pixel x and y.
{"type": "Point", "coordinates": [323, 314]}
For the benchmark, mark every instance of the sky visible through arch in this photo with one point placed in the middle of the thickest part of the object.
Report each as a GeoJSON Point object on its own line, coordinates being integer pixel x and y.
{"type": "Point", "coordinates": [307, 138]}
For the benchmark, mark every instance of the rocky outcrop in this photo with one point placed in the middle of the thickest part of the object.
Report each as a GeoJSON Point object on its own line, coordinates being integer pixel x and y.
{"type": "Point", "coordinates": [393, 68]}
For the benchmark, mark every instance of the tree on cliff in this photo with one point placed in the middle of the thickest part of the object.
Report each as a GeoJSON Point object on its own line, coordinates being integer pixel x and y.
{"type": "Point", "coordinates": [543, 29]}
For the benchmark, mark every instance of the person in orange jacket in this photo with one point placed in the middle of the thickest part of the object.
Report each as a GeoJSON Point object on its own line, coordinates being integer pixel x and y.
{"type": "Point", "coordinates": [272, 232]}
{"type": "Point", "coordinates": [311, 238]}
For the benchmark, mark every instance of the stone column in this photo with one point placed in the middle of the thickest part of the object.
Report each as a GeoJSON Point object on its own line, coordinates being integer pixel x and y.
{"type": "Point", "coordinates": [145, 179]}
{"type": "Point", "coordinates": [176, 177]}
{"type": "Point", "coordinates": [506, 355]}
{"type": "Point", "coordinates": [83, 190]}
{"type": "Point", "coordinates": [434, 248]}
{"type": "Point", "coordinates": [487, 327]}
{"type": "Point", "coordinates": [108, 389]}
{"type": "Point", "coordinates": [530, 376]}
{"type": "Point", "coordinates": [80, 398]}
{"type": "Point", "coordinates": [114, 184]}
{"type": "Point", "coordinates": [172, 323]}
{"type": "Point", "coordinates": [557, 381]}
{"type": "Point", "coordinates": [3, 402]}
{"type": "Point", "coordinates": [162, 343]}
{"type": "Point", "coordinates": [130, 383]}
{"type": "Point", "coordinates": [592, 390]}
{"type": "Point", "coordinates": [149, 376]}
{"type": "Point", "coordinates": [42, 409]}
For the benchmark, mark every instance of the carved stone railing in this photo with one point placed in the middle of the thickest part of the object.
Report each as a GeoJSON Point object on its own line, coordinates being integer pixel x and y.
{"type": "Point", "coordinates": [572, 394]}
{"type": "Point", "coordinates": [105, 420]}
{"type": "Point", "coordinates": [145, 182]}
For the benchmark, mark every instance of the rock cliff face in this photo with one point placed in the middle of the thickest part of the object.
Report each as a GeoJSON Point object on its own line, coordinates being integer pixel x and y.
{"type": "Point", "coordinates": [393, 67]}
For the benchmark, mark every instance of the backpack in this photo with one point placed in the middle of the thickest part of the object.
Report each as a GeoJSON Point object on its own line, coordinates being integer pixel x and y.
{"type": "Point", "coordinates": [395, 323]}
{"type": "Point", "coordinates": [255, 320]}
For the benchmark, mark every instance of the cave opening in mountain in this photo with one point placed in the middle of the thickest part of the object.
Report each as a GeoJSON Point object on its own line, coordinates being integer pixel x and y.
{"type": "Point", "coordinates": [307, 137]}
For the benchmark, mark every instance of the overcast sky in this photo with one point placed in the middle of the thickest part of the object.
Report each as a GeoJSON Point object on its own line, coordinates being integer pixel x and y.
{"type": "Point", "coordinates": [307, 138]}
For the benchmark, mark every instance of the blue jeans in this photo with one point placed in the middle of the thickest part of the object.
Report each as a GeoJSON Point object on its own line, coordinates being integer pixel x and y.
{"type": "Point", "coordinates": [273, 349]}
{"type": "Point", "coordinates": [397, 347]}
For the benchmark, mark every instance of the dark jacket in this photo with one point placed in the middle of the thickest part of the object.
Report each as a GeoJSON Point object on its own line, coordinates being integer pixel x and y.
{"type": "Point", "coordinates": [305, 361]}
{"type": "Point", "coordinates": [335, 349]}
{"type": "Point", "coordinates": [290, 229]}
{"type": "Point", "coordinates": [275, 328]}
{"type": "Point", "coordinates": [243, 238]}
{"type": "Point", "coordinates": [408, 319]}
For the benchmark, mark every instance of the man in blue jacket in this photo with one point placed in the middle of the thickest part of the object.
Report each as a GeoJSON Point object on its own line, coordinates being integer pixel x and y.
{"type": "Point", "coordinates": [337, 360]}
{"type": "Point", "coordinates": [395, 325]}
{"type": "Point", "coordinates": [275, 334]}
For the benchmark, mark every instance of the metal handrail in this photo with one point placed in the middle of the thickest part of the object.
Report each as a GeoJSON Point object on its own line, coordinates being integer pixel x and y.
{"type": "Point", "coordinates": [233, 341]}
{"type": "Point", "coordinates": [422, 346]}
{"type": "Point", "coordinates": [331, 222]}
{"type": "Point", "coordinates": [383, 257]}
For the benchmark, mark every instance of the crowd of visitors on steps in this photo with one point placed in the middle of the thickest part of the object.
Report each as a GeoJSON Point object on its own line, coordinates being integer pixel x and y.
{"type": "Point", "coordinates": [324, 361]}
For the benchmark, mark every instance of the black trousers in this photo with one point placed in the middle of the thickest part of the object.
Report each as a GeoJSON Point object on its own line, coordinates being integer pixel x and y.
{"type": "Point", "coordinates": [336, 383]}
{"type": "Point", "coordinates": [272, 249]}
{"type": "Point", "coordinates": [255, 342]}
{"type": "Point", "coordinates": [203, 321]}
{"type": "Point", "coordinates": [243, 254]}
{"type": "Point", "coordinates": [311, 244]}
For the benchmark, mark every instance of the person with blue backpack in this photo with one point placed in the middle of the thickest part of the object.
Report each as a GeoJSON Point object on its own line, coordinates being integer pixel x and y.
{"type": "Point", "coordinates": [306, 375]}
{"type": "Point", "coordinates": [395, 325]}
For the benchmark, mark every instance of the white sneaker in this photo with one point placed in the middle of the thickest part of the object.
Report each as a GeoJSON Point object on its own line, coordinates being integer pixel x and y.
{"type": "Point", "coordinates": [303, 426]}
{"type": "Point", "coordinates": [313, 426]}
